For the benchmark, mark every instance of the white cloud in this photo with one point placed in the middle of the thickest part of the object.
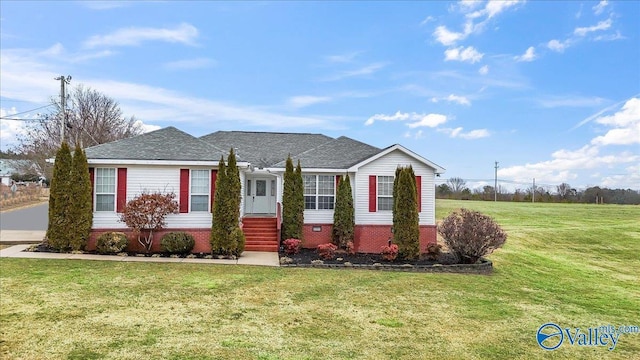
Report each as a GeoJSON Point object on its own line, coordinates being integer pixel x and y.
{"type": "Point", "coordinates": [446, 37]}
{"type": "Point", "coordinates": [565, 163]}
{"type": "Point", "coordinates": [187, 64]}
{"type": "Point", "coordinates": [470, 135]}
{"type": "Point", "coordinates": [427, 20]}
{"type": "Point", "coordinates": [625, 123]}
{"type": "Point", "coordinates": [453, 98]}
{"type": "Point", "coordinates": [571, 101]}
{"type": "Point", "coordinates": [557, 45]}
{"type": "Point", "coordinates": [468, 5]}
{"type": "Point", "coordinates": [528, 55]}
{"type": "Point", "coordinates": [609, 37]}
{"type": "Point", "coordinates": [484, 70]}
{"type": "Point", "coordinates": [306, 100]}
{"type": "Point", "coordinates": [417, 135]}
{"type": "Point", "coordinates": [469, 54]}
{"type": "Point", "coordinates": [398, 116]}
{"type": "Point", "coordinates": [475, 134]}
{"type": "Point", "coordinates": [495, 7]}
{"type": "Point", "coordinates": [342, 58]}
{"type": "Point", "coordinates": [362, 71]}
{"type": "Point", "coordinates": [10, 129]}
{"type": "Point", "coordinates": [429, 120]}
{"type": "Point", "coordinates": [418, 120]}
{"type": "Point", "coordinates": [133, 36]}
{"type": "Point", "coordinates": [598, 9]}
{"type": "Point", "coordinates": [602, 25]}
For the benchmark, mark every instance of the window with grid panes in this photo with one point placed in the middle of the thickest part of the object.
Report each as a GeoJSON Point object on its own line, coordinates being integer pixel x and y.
{"type": "Point", "coordinates": [385, 193]}
{"type": "Point", "coordinates": [319, 192]}
{"type": "Point", "coordinates": [105, 189]}
{"type": "Point", "coordinates": [200, 190]}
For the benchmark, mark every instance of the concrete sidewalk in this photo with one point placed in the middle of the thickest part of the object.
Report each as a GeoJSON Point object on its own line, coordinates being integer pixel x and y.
{"type": "Point", "coordinates": [17, 237]}
{"type": "Point", "coordinates": [260, 258]}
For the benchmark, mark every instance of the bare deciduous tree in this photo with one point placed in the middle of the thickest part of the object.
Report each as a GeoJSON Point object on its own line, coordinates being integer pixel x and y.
{"type": "Point", "coordinates": [92, 118]}
{"type": "Point", "coordinates": [457, 185]}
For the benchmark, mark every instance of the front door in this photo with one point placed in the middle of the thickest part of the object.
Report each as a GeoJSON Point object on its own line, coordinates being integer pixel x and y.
{"type": "Point", "coordinates": [261, 196]}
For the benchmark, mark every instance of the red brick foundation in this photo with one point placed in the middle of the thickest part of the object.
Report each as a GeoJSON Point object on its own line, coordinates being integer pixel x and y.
{"type": "Point", "coordinates": [314, 238]}
{"type": "Point", "coordinates": [368, 238]}
{"type": "Point", "coordinates": [201, 237]}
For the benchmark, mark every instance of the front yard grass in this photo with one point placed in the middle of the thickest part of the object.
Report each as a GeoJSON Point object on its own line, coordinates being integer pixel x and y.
{"type": "Point", "coordinates": [575, 265]}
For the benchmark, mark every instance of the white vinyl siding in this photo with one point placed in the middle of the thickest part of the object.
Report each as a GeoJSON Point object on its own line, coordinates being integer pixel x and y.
{"type": "Point", "coordinates": [386, 166]}
{"type": "Point", "coordinates": [164, 179]}
{"type": "Point", "coordinates": [105, 179]}
{"type": "Point", "coordinates": [200, 190]}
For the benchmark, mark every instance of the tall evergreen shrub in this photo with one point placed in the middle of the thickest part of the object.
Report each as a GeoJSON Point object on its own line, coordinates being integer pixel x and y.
{"type": "Point", "coordinates": [226, 236]}
{"type": "Point", "coordinates": [344, 214]}
{"type": "Point", "coordinates": [289, 211]}
{"type": "Point", "coordinates": [60, 201]}
{"type": "Point", "coordinates": [406, 218]}
{"type": "Point", "coordinates": [81, 212]}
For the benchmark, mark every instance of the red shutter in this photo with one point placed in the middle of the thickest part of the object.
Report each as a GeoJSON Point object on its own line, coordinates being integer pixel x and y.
{"type": "Point", "coordinates": [184, 190]}
{"type": "Point", "coordinates": [338, 178]}
{"type": "Point", "coordinates": [214, 177]}
{"type": "Point", "coordinates": [92, 177]}
{"type": "Point", "coordinates": [121, 197]}
{"type": "Point", "coordinates": [372, 194]}
{"type": "Point", "coordinates": [419, 191]}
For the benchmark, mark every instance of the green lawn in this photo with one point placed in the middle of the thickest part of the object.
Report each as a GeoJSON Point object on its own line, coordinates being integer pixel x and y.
{"type": "Point", "coordinates": [576, 265]}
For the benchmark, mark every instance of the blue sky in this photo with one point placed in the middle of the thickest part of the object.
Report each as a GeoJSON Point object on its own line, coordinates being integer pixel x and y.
{"type": "Point", "coordinates": [550, 90]}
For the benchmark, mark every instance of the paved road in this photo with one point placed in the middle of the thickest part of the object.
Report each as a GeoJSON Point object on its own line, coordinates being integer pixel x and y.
{"type": "Point", "coordinates": [31, 218]}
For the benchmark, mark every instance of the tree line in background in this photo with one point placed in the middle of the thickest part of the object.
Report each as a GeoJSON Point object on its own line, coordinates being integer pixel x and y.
{"type": "Point", "coordinates": [456, 188]}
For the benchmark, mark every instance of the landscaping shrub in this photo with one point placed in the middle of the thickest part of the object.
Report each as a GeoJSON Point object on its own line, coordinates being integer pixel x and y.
{"type": "Point", "coordinates": [471, 235]}
{"type": "Point", "coordinates": [81, 211]}
{"type": "Point", "coordinates": [291, 246]}
{"type": "Point", "coordinates": [389, 252]}
{"type": "Point", "coordinates": [343, 215]}
{"type": "Point", "coordinates": [433, 251]}
{"type": "Point", "coordinates": [327, 251]}
{"type": "Point", "coordinates": [146, 213]}
{"type": "Point", "coordinates": [177, 243]}
{"type": "Point", "coordinates": [60, 201]}
{"type": "Point", "coordinates": [351, 248]}
{"type": "Point", "coordinates": [292, 202]}
{"type": "Point", "coordinates": [112, 243]}
{"type": "Point", "coordinates": [406, 228]}
{"type": "Point", "coordinates": [226, 237]}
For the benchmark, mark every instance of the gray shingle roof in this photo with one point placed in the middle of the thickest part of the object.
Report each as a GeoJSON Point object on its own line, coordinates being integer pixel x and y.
{"type": "Point", "coordinates": [340, 153]}
{"type": "Point", "coordinates": [165, 144]}
{"type": "Point", "coordinates": [264, 149]}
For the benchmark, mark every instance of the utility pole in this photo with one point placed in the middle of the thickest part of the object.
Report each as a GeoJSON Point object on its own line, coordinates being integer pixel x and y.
{"type": "Point", "coordinates": [533, 192]}
{"type": "Point", "coordinates": [63, 104]}
{"type": "Point", "coordinates": [495, 184]}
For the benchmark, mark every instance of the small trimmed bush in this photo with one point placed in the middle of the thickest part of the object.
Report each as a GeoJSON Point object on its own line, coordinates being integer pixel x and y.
{"type": "Point", "coordinates": [389, 252]}
{"type": "Point", "coordinates": [327, 251]}
{"type": "Point", "coordinates": [291, 246]}
{"type": "Point", "coordinates": [471, 235]}
{"type": "Point", "coordinates": [177, 243]}
{"type": "Point", "coordinates": [112, 243]}
{"type": "Point", "coordinates": [433, 251]}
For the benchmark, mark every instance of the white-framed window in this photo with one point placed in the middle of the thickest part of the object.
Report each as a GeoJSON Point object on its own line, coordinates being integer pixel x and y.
{"type": "Point", "coordinates": [385, 193]}
{"type": "Point", "coordinates": [319, 192]}
{"type": "Point", "coordinates": [105, 189]}
{"type": "Point", "coordinates": [200, 190]}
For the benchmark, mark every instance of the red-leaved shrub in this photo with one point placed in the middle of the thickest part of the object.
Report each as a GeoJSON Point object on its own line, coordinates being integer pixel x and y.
{"type": "Point", "coordinates": [389, 252]}
{"type": "Point", "coordinates": [327, 251]}
{"type": "Point", "coordinates": [291, 246]}
{"type": "Point", "coordinates": [351, 248]}
{"type": "Point", "coordinates": [471, 235]}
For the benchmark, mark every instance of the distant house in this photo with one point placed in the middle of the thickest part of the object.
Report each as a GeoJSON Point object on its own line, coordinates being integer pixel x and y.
{"type": "Point", "coordinates": [9, 167]}
{"type": "Point", "coordinates": [169, 160]}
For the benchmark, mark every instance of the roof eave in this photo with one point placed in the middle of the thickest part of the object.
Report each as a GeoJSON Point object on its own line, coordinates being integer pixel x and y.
{"type": "Point", "coordinates": [437, 168]}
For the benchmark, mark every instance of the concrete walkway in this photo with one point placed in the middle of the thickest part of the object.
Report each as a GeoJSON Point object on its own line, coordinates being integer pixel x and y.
{"type": "Point", "coordinates": [16, 237]}
{"type": "Point", "coordinates": [260, 258]}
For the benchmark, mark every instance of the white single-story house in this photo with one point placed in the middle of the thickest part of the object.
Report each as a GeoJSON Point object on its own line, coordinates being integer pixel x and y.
{"type": "Point", "coordinates": [169, 160]}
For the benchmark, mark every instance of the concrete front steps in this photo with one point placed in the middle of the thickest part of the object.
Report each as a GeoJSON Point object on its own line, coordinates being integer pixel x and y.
{"type": "Point", "coordinates": [261, 234]}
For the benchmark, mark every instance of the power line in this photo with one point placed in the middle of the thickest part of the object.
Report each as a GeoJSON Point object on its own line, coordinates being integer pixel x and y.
{"type": "Point", "coordinates": [14, 119]}
{"type": "Point", "coordinates": [28, 111]}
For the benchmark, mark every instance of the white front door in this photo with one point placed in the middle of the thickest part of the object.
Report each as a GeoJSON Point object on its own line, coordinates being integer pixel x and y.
{"type": "Point", "coordinates": [260, 195]}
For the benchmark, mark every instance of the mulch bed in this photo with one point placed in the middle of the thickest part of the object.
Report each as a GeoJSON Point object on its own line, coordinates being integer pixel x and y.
{"type": "Point", "coordinates": [444, 262]}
